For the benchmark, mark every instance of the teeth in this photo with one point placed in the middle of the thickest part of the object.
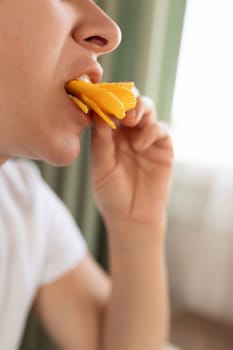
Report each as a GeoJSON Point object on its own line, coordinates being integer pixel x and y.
{"type": "Point", "coordinates": [84, 77]}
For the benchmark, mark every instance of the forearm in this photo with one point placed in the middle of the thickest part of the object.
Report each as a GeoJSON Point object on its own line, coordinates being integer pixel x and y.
{"type": "Point", "coordinates": [137, 313]}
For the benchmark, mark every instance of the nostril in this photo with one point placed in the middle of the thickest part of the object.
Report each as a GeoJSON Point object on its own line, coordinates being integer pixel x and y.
{"type": "Point", "coordinates": [97, 40]}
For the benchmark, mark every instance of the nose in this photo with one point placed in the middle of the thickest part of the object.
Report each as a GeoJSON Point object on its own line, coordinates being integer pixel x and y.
{"type": "Point", "coordinates": [96, 31]}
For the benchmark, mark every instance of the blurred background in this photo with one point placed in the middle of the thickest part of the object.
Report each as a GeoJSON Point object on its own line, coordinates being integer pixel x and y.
{"type": "Point", "coordinates": [180, 53]}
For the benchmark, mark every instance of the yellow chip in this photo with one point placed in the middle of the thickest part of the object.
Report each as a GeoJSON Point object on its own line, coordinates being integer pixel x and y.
{"type": "Point", "coordinates": [126, 84]}
{"type": "Point", "coordinates": [91, 104]}
{"type": "Point", "coordinates": [80, 104]}
{"type": "Point", "coordinates": [125, 95]}
{"type": "Point", "coordinates": [105, 99]}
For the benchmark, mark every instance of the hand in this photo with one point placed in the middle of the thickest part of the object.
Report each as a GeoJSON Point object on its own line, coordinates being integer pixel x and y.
{"type": "Point", "coordinates": [132, 166]}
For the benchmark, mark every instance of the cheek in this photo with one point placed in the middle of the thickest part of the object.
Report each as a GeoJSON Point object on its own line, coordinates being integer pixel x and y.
{"type": "Point", "coordinates": [47, 133]}
{"type": "Point", "coordinates": [30, 45]}
{"type": "Point", "coordinates": [56, 133]}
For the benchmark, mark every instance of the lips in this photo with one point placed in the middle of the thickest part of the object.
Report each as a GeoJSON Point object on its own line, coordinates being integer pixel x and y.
{"type": "Point", "coordinates": [92, 73]}
{"type": "Point", "coordinates": [105, 99]}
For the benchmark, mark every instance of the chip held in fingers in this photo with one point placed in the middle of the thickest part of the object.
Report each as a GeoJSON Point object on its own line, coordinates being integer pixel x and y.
{"type": "Point", "coordinates": [105, 99]}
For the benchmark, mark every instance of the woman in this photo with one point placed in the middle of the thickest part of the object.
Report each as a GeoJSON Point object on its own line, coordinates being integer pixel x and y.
{"type": "Point", "coordinates": [44, 260]}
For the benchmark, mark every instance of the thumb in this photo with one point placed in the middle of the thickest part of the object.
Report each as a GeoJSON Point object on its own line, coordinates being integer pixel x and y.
{"type": "Point", "coordinates": [103, 149]}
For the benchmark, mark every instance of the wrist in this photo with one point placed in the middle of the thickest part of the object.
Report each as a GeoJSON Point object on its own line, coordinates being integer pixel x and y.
{"type": "Point", "coordinates": [132, 235]}
{"type": "Point", "coordinates": [136, 248]}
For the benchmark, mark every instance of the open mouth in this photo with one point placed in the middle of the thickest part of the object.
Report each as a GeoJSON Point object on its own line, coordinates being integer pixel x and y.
{"type": "Point", "coordinates": [105, 99]}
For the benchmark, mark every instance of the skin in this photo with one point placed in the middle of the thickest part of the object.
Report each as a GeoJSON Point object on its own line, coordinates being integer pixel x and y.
{"type": "Point", "coordinates": [52, 41]}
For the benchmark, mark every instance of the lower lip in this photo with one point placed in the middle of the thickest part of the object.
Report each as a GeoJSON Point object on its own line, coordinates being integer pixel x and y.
{"type": "Point", "coordinates": [84, 118]}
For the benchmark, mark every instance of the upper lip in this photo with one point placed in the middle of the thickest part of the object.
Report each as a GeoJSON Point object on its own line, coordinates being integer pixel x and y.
{"type": "Point", "coordinates": [94, 72]}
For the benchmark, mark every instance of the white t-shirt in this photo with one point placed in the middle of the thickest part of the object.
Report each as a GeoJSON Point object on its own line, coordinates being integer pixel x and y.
{"type": "Point", "coordinates": [39, 242]}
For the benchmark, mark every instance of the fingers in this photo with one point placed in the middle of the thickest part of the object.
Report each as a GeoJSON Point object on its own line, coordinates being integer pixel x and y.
{"type": "Point", "coordinates": [145, 107]}
{"type": "Point", "coordinates": [148, 134]}
{"type": "Point", "coordinates": [144, 129]}
{"type": "Point", "coordinates": [103, 147]}
{"type": "Point", "coordinates": [139, 129]}
{"type": "Point", "coordinates": [165, 140]}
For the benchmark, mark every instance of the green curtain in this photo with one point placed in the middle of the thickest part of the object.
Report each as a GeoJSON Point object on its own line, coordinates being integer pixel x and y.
{"type": "Point", "coordinates": [148, 55]}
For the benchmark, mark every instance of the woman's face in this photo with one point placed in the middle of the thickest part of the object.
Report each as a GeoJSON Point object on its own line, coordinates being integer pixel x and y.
{"type": "Point", "coordinates": [43, 44]}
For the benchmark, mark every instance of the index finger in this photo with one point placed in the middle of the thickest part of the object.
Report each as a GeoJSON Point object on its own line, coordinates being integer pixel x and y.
{"type": "Point", "coordinates": [144, 106]}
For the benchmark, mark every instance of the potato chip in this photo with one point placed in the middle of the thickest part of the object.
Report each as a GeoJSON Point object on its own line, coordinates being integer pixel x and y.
{"type": "Point", "coordinates": [105, 99]}
{"type": "Point", "coordinates": [91, 104]}
{"type": "Point", "coordinates": [125, 95]}
{"type": "Point", "coordinates": [126, 84]}
{"type": "Point", "coordinates": [80, 104]}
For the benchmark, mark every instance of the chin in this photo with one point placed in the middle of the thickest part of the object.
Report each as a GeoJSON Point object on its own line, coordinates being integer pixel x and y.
{"type": "Point", "coordinates": [64, 154]}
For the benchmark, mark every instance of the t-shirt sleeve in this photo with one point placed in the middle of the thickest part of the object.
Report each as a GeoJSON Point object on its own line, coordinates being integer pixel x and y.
{"type": "Point", "coordinates": [65, 246]}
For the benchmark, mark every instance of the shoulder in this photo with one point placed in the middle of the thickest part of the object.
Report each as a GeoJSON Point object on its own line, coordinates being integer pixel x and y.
{"type": "Point", "coordinates": [19, 171]}
{"type": "Point", "coordinates": [18, 178]}
{"type": "Point", "coordinates": [27, 202]}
